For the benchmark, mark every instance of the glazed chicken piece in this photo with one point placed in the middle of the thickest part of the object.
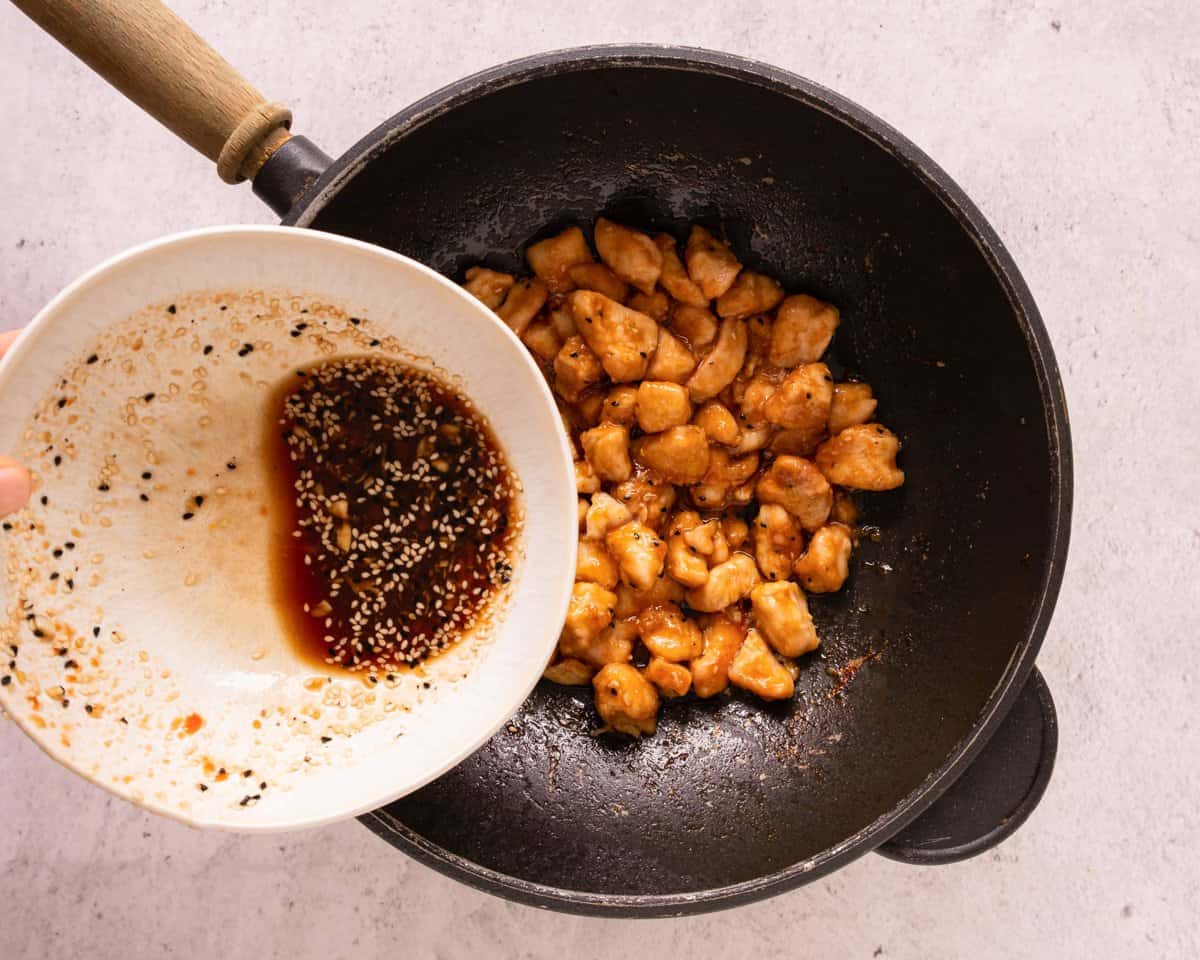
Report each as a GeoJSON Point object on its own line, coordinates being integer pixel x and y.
{"type": "Point", "coordinates": [640, 554]}
{"type": "Point", "coordinates": [606, 448]}
{"type": "Point", "coordinates": [667, 633]}
{"type": "Point", "coordinates": [672, 359]}
{"type": "Point", "coordinates": [623, 339]}
{"type": "Point", "coordinates": [671, 679]}
{"type": "Point", "coordinates": [646, 501]}
{"type": "Point", "coordinates": [552, 259]}
{"type": "Point", "coordinates": [626, 701]}
{"type": "Point", "coordinates": [800, 488]}
{"type": "Point", "coordinates": [724, 476]}
{"type": "Point", "coordinates": [727, 583]}
{"type": "Point", "coordinates": [656, 304]}
{"type": "Point", "coordinates": [575, 369]}
{"type": "Point", "coordinates": [543, 340]}
{"type": "Point", "coordinates": [853, 403]}
{"type": "Point", "coordinates": [630, 254]}
{"type": "Point", "coordinates": [589, 612]}
{"type": "Point", "coordinates": [777, 541]}
{"type": "Point", "coordinates": [824, 566]}
{"type": "Point", "coordinates": [613, 644]}
{"type": "Point", "coordinates": [522, 304]}
{"type": "Point", "coordinates": [718, 423]}
{"type": "Point", "coordinates": [781, 614]}
{"type": "Point", "coordinates": [717, 370]}
{"type": "Point", "coordinates": [685, 564]}
{"type": "Point", "coordinates": [678, 455]}
{"type": "Point", "coordinates": [619, 405]}
{"type": "Point", "coordinates": [631, 601]}
{"type": "Point", "coordinates": [661, 405]}
{"type": "Point", "coordinates": [862, 457]}
{"type": "Point", "coordinates": [756, 669]}
{"type": "Point", "coordinates": [674, 277]}
{"type": "Point", "coordinates": [710, 263]}
{"type": "Point", "coordinates": [723, 638]}
{"type": "Point", "coordinates": [751, 293]}
{"type": "Point", "coordinates": [569, 673]}
{"type": "Point", "coordinates": [593, 564]}
{"type": "Point", "coordinates": [598, 277]}
{"type": "Point", "coordinates": [802, 330]}
{"type": "Point", "coordinates": [697, 325]}
{"type": "Point", "coordinates": [489, 287]}
{"type": "Point", "coordinates": [803, 400]}
{"type": "Point", "coordinates": [605, 513]}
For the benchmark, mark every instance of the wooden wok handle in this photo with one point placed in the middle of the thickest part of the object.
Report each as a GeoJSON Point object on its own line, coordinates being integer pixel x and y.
{"type": "Point", "coordinates": [155, 59]}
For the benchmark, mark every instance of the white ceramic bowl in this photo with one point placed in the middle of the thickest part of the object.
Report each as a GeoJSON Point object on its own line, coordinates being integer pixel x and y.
{"type": "Point", "coordinates": [155, 663]}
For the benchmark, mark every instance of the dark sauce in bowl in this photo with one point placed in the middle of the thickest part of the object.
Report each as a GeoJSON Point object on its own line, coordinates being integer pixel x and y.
{"type": "Point", "coordinates": [397, 513]}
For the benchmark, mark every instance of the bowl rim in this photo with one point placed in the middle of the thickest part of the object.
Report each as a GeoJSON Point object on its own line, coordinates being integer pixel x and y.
{"type": "Point", "coordinates": [1025, 312]}
{"type": "Point", "coordinates": [24, 351]}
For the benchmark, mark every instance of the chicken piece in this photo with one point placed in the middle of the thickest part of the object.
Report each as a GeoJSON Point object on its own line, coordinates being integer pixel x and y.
{"type": "Point", "coordinates": [708, 539]}
{"type": "Point", "coordinates": [825, 565]}
{"type": "Point", "coordinates": [853, 403]}
{"type": "Point", "coordinates": [724, 474]}
{"type": "Point", "coordinates": [672, 679]}
{"type": "Point", "coordinates": [605, 514]}
{"type": "Point", "coordinates": [552, 259]}
{"type": "Point", "coordinates": [674, 278]}
{"type": "Point", "coordinates": [844, 511]}
{"type": "Point", "coordinates": [717, 370]}
{"type": "Point", "coordinates": [751, 440]}
{"type": "Point", "coordinates": [575, 369]}
{"type": "Point", "coordinates": [589, 408]}
{"type": "Point", "coordinates": [742, 496]}
{"type": "Point", "coordinates": [802, 406]}
{"type": "Point", "coordinates": [626, 701]}
{"type": "Point", "coordinates": [800, 488]}
{"type": "Point", "coordinates": [862, 457]}
{"type": "Point", "coordinates": [598, 277]}
{"type": "Point", "coordinates": [558, 313]}
{"type": "Point", "coordinates": [781, 614]}
{"type": "Point", "coordinates": [756, 394]}
{"type": "Point", "coordinates": [796, 442]}
{"type": "Point", "coordinates": [751, 293]}
{"type": "Point", "coordinates": [672, 360]}
{"type": "Point", "coordinates": [631, 602]}
{"type": "Point", "coordinates": [803, 328]}
{"type": "Point", "coordinates": [623, 339]}
{"type": "Point", "coordinates": [607, 450]}
{"type": "Point", "coordinates": [640, 553]}
{"type": "Point", "coordinates": [756, 669]}
{"type": "Point", "coordinates": [594, 565]}
{"type": "Point", "coordinates": [685, 564]}
{"type": "Point", "coordinates": [683, 521]}
{"type": "Point", "coordinates": [697, 325]}
{"type": "Point", "coordinates": [648, 502]}
{"type": "Point", "coordinates": [662, 404]}
{"type": "Point", "coordinates": [710, 263]}
{"type": "Point", "coordinates": [586, 480]}
{"type": "Point", "coordinates": [656, 305]}
{"type": "Point", "coordinates": [583, 507]}
{"type": "Point", "coordinates": [777, 541]}
{"type": "Point", "coordinates": [590, 611]}
{"type": "Point", "coordinates": [522, 304]}
{"type": "Point", "coordinates": [718, 423]}
{"type": "Point", "coordinates": [667, 633]}
{"type": "Point", "coordinates": [489, 287]}
{"type": "Point", "coordinates": [630, 254]}
{"type": "Point", "coordinates": [727, 583]}
{"type": "Point", "coordinates": [613, 644]}
{"type": "Point", "coordinates": [736, 531]}
{"type": "Point", "coordinates": [677, 455]}
{"type": "Point", "coordinates": [620, 405]}
{"type": "Point", "coordinates": [723, 638]}
{"type": "Point", "coordinates": [569, 673]}
{"type": "Point", "coordinates": [543, 340]}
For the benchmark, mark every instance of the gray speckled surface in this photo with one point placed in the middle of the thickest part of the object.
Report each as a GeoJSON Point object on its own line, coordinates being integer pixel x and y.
{"type": "Point", "coordinates": [1074, 127]}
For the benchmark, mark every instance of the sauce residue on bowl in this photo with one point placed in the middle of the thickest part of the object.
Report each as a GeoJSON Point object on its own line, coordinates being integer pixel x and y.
{"type": "Point", "coordinates": [397, 512]}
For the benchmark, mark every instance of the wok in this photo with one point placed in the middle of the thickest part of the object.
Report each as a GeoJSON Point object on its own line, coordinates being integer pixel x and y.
{"type": "Point", "coordinates": [942, 742]}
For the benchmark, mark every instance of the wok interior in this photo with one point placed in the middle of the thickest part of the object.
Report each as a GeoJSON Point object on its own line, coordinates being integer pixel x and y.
{"type": "Point", "coordinates": [731, 790]}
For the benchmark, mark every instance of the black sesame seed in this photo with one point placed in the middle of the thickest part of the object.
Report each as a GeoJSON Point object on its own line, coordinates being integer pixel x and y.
{"type": "Point", "coordinates": [103, 488]}
{"type": "Point", "coordinates": [70, 583]}
{"type": "Point", "coordinates": [5, 681]}
{"type": "Point", "coordinates": [70, 665]}
{"type": "Point", "coordinates": [70, 544]}
{"type": "Point", "coordinates": [58, 460]}
{"type": "Point", "coordinates": [326, 739]}
{"type": "Point", "coordinates": [231, 465]}
{"type": "Point", "coordinates": [355, 320]}
{"type": "Point", "coordinates": [246, 348]}
{"type": "Point", "coordinates": [199, 500]}
{"type": "Point", "coordinates": [171, 308]}
{"type": "Point", "coordinates": [6, 527]}
{"type": "Point", "coordinates": [208, 347]}
{"type": "Point", "coordinates": [56, 552]}
{"type": "Point", "coordinates": [54, 575]}
{"type": "Point", "coordinates": [93, 358]}
{"type": "Point", "coordinates": [188, 515]}
{"type": "Point", "coordinates": [146, 475]}
{"type": "Point", "coordinates": [87, 708]}
{"type": "Point", "coordinates": [202, 786]}
{"type": "Point", "coordinates": [148, 396]}
{"type": "Point", "coordinates": [62, 402]}
{"type": "Point", "coordinates": [95, 631]}
{"type": "Point", "coordinates": [143, 498]}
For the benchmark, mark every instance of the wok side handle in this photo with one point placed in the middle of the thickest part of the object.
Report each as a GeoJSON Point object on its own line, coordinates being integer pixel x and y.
{"type": "Point", "coordinates": [996, 793]}
{"type": "Point", "coordinates": [148, 53]}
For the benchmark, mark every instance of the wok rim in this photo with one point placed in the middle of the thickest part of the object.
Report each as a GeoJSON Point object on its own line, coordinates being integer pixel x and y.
{"type": "Point", "coordinates": [1025, 312]}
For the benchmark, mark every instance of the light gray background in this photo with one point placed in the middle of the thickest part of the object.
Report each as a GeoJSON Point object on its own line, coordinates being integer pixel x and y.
{"type": "Point", "coordinates": [1073, 126]}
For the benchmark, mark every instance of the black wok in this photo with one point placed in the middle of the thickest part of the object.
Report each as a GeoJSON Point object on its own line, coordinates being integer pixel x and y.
{"type": "Point", "coordinates": [734, 800]}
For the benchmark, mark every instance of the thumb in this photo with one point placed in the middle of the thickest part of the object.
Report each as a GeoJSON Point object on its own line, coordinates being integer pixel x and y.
{"type": "Point", "coordinates": [15, 486]}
